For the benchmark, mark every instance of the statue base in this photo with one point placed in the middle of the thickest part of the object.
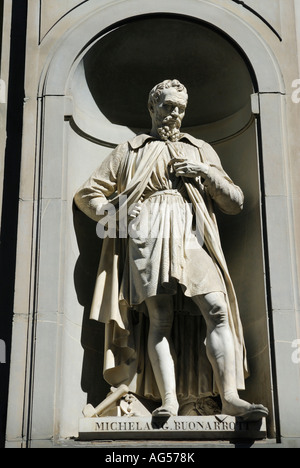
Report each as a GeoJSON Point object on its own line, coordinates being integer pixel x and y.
{"type": "Point", "coordinates": [217, 427]}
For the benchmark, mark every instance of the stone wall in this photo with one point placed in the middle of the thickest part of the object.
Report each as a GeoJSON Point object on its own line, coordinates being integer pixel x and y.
{"type": "Point", "coordinates": [56, 354]}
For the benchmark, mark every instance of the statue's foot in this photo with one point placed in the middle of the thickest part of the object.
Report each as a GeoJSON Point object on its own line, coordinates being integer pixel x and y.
{"type": "Point", "coordinates": [167, 410]}
{"type": "Point", "coordinates": [234, 406]}
{"type": "Point", "coordinates": [254, 413]}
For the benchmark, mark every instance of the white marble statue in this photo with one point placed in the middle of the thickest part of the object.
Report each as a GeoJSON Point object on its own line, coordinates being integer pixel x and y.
{"type": "Point", "coordinates": [173, 330]}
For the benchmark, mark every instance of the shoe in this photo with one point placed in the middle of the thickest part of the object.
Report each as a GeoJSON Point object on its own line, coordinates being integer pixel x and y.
{"type": "Point", "coordinates": [254, 413]}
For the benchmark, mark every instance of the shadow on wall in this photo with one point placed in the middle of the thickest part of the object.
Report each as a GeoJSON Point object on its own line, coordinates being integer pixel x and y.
{"type": "Point", "coordinates": [92, 335]}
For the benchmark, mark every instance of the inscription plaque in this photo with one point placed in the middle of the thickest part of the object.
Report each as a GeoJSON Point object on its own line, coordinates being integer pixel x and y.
{"type": "Point", "coordinates": [219, 427]}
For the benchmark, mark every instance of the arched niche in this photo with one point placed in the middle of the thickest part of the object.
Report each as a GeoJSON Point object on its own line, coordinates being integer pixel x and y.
{"type": "Point", "coordinates": [77, 118]}
{"type": "Point", "coordinates": [109, 90]}
{"type": "Point", "coordinates": [111, 83]}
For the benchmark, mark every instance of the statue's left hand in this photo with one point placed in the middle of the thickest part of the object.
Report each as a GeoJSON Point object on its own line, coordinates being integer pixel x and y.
{"type": "Point", "coordinates": [190, 169]}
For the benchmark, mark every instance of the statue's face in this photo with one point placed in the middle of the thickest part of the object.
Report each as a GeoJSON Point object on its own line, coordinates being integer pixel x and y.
{"type": "Point", "coordinates": [170, 109]}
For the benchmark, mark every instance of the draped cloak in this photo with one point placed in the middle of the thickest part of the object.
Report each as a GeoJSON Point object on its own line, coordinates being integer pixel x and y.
{"type": "Point", "coordinates": [123, 178]}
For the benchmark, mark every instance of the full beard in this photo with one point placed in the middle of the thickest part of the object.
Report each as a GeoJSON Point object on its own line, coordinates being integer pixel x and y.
{"type": "Point", "coordinates": [169, 130]}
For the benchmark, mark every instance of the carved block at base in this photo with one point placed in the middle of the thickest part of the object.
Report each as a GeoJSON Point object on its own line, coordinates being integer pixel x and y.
{"type": "Point", "coordinates": [220, 427]}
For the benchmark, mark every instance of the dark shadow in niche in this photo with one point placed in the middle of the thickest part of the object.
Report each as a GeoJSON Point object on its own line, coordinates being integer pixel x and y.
{"type": "Point", "coordinates": [124, 65]}
{"type": "Point", "coordinates": [92, 335]}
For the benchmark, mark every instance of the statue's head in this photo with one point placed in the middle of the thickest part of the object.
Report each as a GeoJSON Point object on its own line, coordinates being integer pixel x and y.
{"type": "Point", "coordinates": [167, 104]}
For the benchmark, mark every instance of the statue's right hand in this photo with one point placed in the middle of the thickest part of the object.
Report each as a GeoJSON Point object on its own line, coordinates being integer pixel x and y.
{"type": "Point", "coordinates": [134, 210]}
{"type": "Point", "coordinates": [104, 208]}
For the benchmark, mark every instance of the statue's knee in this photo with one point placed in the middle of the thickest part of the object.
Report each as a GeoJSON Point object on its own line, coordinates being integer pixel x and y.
{"type": "Point", "coordinates": [219, 313]}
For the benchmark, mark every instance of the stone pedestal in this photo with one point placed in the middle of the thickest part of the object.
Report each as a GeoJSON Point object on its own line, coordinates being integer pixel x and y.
{"type": "Point", "coordinates": [220, 427]}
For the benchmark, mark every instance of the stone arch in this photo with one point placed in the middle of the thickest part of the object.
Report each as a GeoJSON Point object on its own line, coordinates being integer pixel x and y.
{"type": "Point", "coordinates": [76, 41]}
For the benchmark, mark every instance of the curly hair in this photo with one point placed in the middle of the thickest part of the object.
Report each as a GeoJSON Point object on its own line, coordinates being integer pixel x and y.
{"type": "Point", "coordinates": [158, 89]}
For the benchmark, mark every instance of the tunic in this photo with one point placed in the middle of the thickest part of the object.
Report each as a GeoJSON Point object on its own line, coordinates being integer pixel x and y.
{"type": "Point", "coordinates": [165, 247]}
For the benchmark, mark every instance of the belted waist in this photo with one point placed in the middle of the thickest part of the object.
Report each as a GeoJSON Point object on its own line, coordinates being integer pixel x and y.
{"type": "Point", "coordinates": [173, 192]}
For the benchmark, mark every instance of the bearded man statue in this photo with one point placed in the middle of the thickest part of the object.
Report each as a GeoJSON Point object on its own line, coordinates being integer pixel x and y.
{"type": "Point", "coordinates": [163, 289]}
